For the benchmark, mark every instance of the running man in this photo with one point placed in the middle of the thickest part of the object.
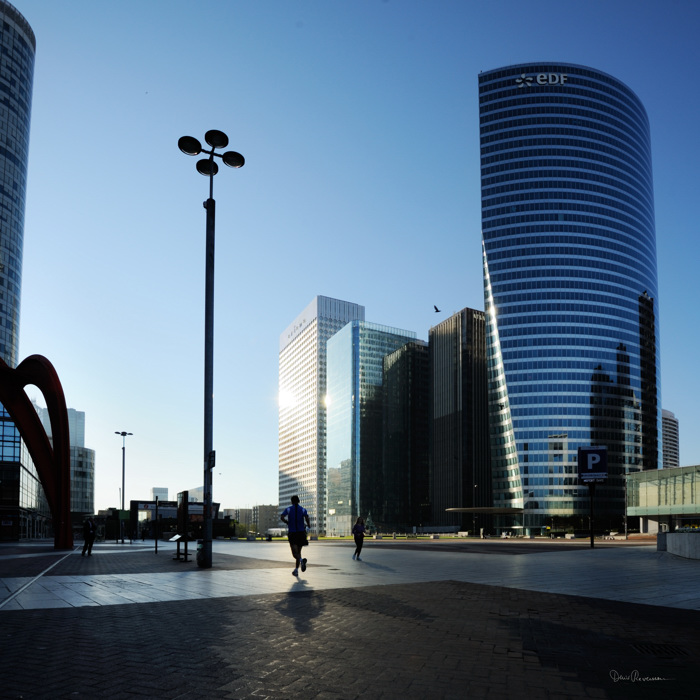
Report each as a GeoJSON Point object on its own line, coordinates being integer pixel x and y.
{"type": "Point", "coordinates": [294, 517]}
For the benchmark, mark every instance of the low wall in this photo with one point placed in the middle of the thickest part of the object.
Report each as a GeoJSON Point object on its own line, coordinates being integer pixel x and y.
{"type": "Point", "coordinates": [682, 544]}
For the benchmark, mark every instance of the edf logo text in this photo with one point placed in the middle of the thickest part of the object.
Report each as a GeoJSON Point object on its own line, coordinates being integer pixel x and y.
{"type": "Point", "coordinates": [542, 79]}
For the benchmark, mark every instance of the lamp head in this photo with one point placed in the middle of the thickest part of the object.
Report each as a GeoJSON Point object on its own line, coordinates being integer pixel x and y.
{"type": "Point", "coordinates": [233, 159]}
{"type": "Point", "coordinates": [189, 145]}
{"type": "Point", "coordinates": [216, 139]}
{"type": "Point", "coordinates": [207, 167]}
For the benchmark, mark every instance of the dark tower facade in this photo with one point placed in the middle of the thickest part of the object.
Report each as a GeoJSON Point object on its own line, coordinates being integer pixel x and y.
{"type": "Point", "coordinates": [460, 459]}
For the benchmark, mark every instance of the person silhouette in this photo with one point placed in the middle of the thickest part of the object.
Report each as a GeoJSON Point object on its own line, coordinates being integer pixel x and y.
{"type": "Point", "coordinates": [89, 532]}
{"type": "Point", "coordinates": [293, 517]}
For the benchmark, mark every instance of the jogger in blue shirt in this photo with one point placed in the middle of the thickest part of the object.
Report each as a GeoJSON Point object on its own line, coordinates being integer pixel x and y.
{"type": "Point", "coordinates": [294, 517]}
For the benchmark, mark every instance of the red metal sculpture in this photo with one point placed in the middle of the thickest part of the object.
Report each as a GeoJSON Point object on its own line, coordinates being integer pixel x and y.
{"type": "Point", "coordinates": [52, 463]}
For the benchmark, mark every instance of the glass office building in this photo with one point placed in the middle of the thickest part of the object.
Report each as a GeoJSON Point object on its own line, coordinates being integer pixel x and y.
{"type": "Point", "coordinates": [302, 408]}
{"type": "Point", "coordinates": [354, 438]}
{"type": "Point", "coordinates": [23, 508]}
{"type": "Point", "coordinates": [570, 285]}
{"type": "Point", "coordinates": [16, 78]}
{"type": "Point", "coordinates": [460, 472]}
{"type": "Point", "coordinates": [406, 439]}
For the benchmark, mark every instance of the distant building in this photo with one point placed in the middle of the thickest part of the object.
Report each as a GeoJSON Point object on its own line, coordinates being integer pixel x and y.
{"type": "Point", "coordinates": [354, 437]}
{"type": "Point", "coordinates": [160, 493]}
{"type": "Point", "coordinates": [460, 461]}
{"type": "Point", "coordinates": [266, 517]}
{"type": "Point", "coordinates": [82, 463]}
{"type": "Point", "coordinates": [196, 495]}
{"type": "Point", "coordinates": [302, 407]}
{"type": "Point", "coordinates": [406, 440]}
{"type": "Point", "coordinates": [244, 516]}
{"type": "Point", "coordinates": [669, 442]}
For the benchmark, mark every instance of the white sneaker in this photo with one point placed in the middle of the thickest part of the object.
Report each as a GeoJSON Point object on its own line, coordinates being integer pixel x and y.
{"type": "Point", "coordinates": [353, 557]}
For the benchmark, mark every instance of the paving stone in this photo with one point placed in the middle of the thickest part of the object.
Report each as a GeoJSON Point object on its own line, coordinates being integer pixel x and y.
{"type": "Point", "coordinates": [441, 640]}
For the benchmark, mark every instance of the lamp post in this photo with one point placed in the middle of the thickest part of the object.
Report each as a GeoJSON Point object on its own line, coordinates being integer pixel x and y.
{"type": "Point", "coordinates": [123, 433]}
{"type": "Point", "coordinates": [208, 167]}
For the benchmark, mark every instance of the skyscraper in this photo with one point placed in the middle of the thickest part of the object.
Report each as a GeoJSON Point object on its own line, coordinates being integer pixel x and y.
{"type": "Point", "coordinates": [355, 421]}
{"type": "Point", "coordinates": [406, 438]}
{"type": "Point", "coordinates": [460, 464]}
{"type": "Point", "coordinates": [16, 77]}
{"type": "Point", "coordinates": [570, 284]}
{"type": "Point", "coordinates": [302, 407]}
{"type": "Point", "coordinates": [670, 439]}
{"type": "Point", "coordinates": [23, 508]}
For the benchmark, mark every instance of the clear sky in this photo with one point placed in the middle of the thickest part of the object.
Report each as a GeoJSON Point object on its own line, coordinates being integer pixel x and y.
{"type": "Point", "coordinates": [358, 120]}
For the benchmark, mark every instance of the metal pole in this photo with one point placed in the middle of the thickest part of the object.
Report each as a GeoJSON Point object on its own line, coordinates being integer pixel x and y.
{"type": "Point", "coordinates": [591, 492]}
{"type": "Point", "coordinates": [121, 515]}
{"type": "Point", "coordinates": [210, 205]}
{"type": "Point", "coordinates": [155, 526]}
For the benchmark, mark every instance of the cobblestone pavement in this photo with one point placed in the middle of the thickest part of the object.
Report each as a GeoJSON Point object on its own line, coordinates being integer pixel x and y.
{"type": "Point", "coordinates": [423, 639]}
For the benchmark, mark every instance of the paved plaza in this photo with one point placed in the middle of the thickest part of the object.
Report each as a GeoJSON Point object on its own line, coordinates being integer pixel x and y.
{"type": "Point", "coordinates": [414, 619]}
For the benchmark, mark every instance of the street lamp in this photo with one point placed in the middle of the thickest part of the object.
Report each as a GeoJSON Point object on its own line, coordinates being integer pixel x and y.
{"type": "Point", "coordinates": [123, 433]}
{"type": "Point", "coordinates": [208, 167]}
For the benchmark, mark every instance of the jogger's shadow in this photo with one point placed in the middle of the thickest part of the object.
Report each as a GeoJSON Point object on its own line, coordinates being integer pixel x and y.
{"type": "Point", "coordinates": [301, 606]}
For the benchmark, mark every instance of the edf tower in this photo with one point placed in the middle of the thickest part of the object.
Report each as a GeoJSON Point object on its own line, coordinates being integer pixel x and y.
{"type": "Point", "coordinates": [570, 282]}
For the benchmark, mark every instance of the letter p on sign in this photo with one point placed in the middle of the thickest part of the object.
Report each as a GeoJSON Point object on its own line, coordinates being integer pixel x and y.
{"type": "Point", "coordinates": [593, 460]}
{"type": "Point", "coordinates": [593, 463]}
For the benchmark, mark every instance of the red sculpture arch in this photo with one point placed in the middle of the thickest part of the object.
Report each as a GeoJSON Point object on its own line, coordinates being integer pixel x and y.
{"type": "Point", "coordinates": [52, 463]}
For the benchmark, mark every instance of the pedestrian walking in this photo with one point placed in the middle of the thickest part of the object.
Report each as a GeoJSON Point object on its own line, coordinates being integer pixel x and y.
{"type": "Point", "coordinates": [294, 517]}
{"type": "Point", "coordinates": [89, 532]}
{"type": "Point", "coordinates": [358, 532]}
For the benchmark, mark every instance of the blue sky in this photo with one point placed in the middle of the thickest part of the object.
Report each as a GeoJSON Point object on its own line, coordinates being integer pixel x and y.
{"type": "Point", "coordinates": [359, 124]}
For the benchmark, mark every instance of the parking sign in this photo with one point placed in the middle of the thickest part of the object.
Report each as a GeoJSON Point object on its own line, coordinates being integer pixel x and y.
{"type": "Point", "coordinates": [592, 463]}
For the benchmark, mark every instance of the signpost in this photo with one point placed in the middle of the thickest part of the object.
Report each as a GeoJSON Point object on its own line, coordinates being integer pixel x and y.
{"type": "Point", "coordinates": [592, 470]}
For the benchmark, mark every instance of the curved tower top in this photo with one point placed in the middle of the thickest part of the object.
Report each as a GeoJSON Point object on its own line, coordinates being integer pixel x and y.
{"type": "Point", "coordinates": [17, 47]}
{"type": "Point", "coordinates": [570, 283]}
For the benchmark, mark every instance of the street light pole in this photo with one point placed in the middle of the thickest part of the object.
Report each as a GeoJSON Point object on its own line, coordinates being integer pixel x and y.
{"type": "Point", "coordinates": [208, 167]}
{"type": "Point", "coordinates": [123, 433]}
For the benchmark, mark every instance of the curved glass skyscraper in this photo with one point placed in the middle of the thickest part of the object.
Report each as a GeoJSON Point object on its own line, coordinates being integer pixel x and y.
{"type": "Point", "coordinates": [570, 286]}
{"type": "Point", "coordinates": [23, 508]}
{"type": "Point", "coordinates": [17, 47]}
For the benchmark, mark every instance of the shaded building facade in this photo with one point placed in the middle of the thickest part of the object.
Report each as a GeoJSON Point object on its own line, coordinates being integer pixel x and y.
{"type": "Point", "coordinates": [570, 280]}
{"type": "Point", "coordinates": [460, 473]}
{"type": "Point", "coordinates": [354, 438]}
{"type": "Point", "coordinates": [406, 440]}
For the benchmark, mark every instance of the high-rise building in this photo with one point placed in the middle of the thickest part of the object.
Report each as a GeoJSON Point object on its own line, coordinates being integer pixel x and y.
{"type": "Point", "coordinates": [82, 463]}
{"type": "Point", "coordinates": [460, 462]}
{"type": "Point", "coordinates": [570, 285]}
{"type": "Point", "coordinates": [24, 511]}
{"type": "Point", "coordinates": [16, 76]}
{"type": "Point", "coordinates": [355, 422]}
{"type": "Point", "coordinates": [406, 444]}
{"type": "Point", "coordinates": [302, 403]}
{"type": "Point", "coordinates": [670, 439]}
